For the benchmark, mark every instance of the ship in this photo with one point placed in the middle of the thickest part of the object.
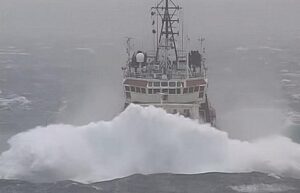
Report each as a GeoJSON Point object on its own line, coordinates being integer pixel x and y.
{"type": "Point", "coordinates": [171, 76]}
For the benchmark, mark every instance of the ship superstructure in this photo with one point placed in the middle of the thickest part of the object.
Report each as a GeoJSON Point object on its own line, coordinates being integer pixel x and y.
{"type": "Point", "coordinates": [169, 77]}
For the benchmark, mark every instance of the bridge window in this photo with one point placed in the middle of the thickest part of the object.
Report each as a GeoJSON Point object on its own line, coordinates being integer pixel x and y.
{"type": "Point", "coordinates": [186, 113]}
{"type": "Point", "coordinates": [191, 89]}
{"type": "Point", "coordinates": [178, 91]}
{"type": "Point", "coordinates": [164, 84]}
{"type": "Point", "coordinates": [172, 84]}
{"type": "Point", "coordinates": [202, 88]}
{"type": "Point", "coordinates": [156, 84]}
{"type": "Point", "coordinates": [156, 91]}
{"type": "Point", "coordinates": [150, 84]}
{"type": "Point", "coordinates": [143, 90]}
{"type": "Point", "coordinates": [128, 95]}
{"type": "Point", "coordinates": [127, 88]}
{"type": "Point", "coordinates": [178, 84]}
{"type": "Point", "coordinates": [138, 90]}
{"type": "Point", "coordinates": [196, 89]}
{"type": "Point", "coordinates": [132, 88]}
{"type": "Point", "coordinates": [201, 94]}
{"type": "Point", "coordinates": [165, 91]}
{"type": "Point", "coordinates": [150, 91]}
{"type": "Point", "coordinates": [165, 97]}
{"type": "Point", "coordinates": [172, 91]}
{"type": "Point", "coordinates": [185, 90]}
{"type": "Point", "coordinates": [202, 115]}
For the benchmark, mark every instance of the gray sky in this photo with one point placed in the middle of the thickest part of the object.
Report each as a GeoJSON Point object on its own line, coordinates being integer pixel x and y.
{"type": "Point", "coordinates": [92, 17]}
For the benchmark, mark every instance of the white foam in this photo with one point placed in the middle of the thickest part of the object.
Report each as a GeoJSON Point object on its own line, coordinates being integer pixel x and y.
{"type": "Point", "coordinates": [90, 50]}
{"type": "Point", "coordinates": [13, 100]}
{"type": "Point", "coordinates": [286, 81]}
{"type": "Point", "coordinates": [296, 96]}
{"type": "Point", "coordinates": [270, 48]}
{"type": "Point", "coordinates": [141, 140]}
{"type": "Point", "coordinates": [242, 48]}
{"type": "Point", "coordinates": [15, 53]}
{"type": "Point", "coordinates": [259, 188]}
{"type": "Point", "coordinates": [290, 74]}
{"type": "Point", "coordinates": [274, 176]}
{"type": "Point", "coordinates": [284, 71]}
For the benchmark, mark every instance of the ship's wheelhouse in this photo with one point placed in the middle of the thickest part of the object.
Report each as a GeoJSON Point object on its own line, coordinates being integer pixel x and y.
{"type": "Point", "coordinates": [182, 96]}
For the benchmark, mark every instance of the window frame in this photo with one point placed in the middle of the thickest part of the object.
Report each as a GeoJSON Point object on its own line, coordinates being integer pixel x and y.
{"type": "Point", "coordinates": [156, 91]}
{"type": "Point", "coordinates": [172, 91]}
{"type": "Point", "coordinates": [201, 94]}
{"type": "Point", "coordinates": [172, 84]}
{"type": "Point", "coordinates": [132, 89]}
{"type": "Point", "coordinates": [128, 95]}
{"type": "Point", "coordinates": [164, 84]}
{"type": "Point", "coordinates": [156, 84]}
{"type": "Point", "coordinates": [165, 89]}
{"type": "Point", "coordinates": [185, 90]}
{"type": "Point", "coordinates": [202, 88]}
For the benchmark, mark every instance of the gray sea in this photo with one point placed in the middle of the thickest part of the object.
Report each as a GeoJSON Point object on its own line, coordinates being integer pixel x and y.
{"type": "Point", "coordinates": [61, 63]}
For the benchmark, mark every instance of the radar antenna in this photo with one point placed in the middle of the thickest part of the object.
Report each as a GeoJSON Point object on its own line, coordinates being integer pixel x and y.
{"type": "Point", "coordinates": [167, 11]}
{"type": "Point", "coordinates": [129, 47]}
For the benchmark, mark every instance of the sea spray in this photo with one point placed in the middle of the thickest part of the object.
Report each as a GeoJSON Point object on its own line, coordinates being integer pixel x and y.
{"type": "Point", "coordinates": [141, 140]}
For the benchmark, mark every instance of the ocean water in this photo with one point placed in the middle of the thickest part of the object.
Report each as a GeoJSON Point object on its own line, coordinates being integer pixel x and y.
{"type": "Point", "coordinates": [44, 84]}
{"type": "Point", "coordinates": [67, 70]}
{"type": "Point", "coordinates": [255, 90]}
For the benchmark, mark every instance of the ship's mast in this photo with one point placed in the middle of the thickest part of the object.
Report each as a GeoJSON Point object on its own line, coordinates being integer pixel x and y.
{"type": "Point", "coordinates": [167, 11]}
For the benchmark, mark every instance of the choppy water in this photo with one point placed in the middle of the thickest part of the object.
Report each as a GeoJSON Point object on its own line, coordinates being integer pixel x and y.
{"type": "Point", "coordinates": [43, 84]}
{"type": "Point", "coordinates": [80, 81]}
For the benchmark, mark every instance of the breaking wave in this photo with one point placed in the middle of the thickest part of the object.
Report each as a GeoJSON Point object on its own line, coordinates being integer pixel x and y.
{"type": "Point", "coordinates": [10, 101]}
{"type": "Point", "coordinates": [141, 140]}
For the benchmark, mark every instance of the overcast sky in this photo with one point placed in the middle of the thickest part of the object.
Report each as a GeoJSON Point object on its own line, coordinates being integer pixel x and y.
{"type": "Point", "coordinates": [115, 17]}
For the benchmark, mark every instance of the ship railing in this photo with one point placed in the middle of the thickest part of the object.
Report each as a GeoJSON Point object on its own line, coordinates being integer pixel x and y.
{"type": "Point", "coordinates": [159, 76]}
